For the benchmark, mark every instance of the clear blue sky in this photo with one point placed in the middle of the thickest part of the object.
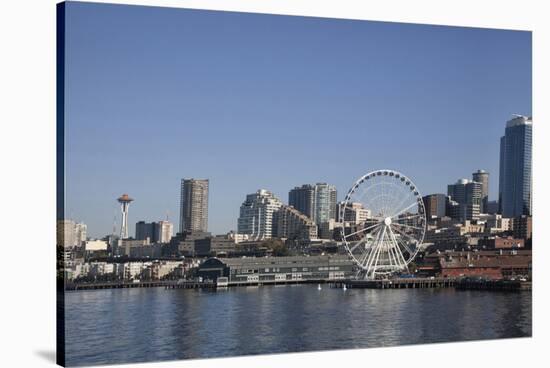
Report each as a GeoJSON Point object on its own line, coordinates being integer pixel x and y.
{"type": "Point", "coordinates": [254, 101]}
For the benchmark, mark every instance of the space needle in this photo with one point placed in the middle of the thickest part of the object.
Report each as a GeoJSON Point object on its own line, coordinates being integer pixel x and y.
{"type": "Point", "coordinates": [124, 201]}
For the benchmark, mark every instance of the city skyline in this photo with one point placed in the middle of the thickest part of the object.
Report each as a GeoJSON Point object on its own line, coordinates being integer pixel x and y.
{"type": "Point", "coordinates": [243, 121]}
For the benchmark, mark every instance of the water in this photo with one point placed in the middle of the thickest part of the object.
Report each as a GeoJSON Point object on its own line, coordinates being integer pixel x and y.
{"type": "Point", "coordinates": [139, 325]}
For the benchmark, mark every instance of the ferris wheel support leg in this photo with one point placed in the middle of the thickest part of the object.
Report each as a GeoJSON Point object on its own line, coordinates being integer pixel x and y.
{"type": "Point", "coordinates": [372, 255]}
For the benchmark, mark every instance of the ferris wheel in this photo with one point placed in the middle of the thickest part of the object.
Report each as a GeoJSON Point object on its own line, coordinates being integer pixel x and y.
{"type": "Point", "coordinates": [384, 223]}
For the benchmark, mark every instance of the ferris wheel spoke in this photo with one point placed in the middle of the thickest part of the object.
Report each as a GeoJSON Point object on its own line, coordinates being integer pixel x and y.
{"type": "Point", "coordinates": [364, 229]}
{"type": "Point", "coordinates": [408, 226]}
{"type": "Point", "coordinates": [380, 246]}
{"type": "Point", "coordinates": [398, 249]}
{"type": "Point", "coordinates": [403, 233]}
{"type": "Point", "coordinates": [375, 252]}
{"type": "Point", "coordinates": [406, 247]}
{"type": "Point", "coordinates": [373, 249]}
{"type": "Point", "coordinates": [403, 242]}
{"type": "Point", "coordinates": [362, 258]}
{"type": "Point", "coordinates": [405, 209]}
{"type": "Point", "coordinates": [392, 256]}
{"type": "Point", "coordinates": [364, 240]}
{"type": "Point", "coordinates": [391, 252]}
{"type": "Point", "coordinates": [408, 217]}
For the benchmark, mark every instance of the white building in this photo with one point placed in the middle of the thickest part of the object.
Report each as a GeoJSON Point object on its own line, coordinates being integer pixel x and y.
{"type": "Point", "coordinates": [256, 215]}
{"type": "Point", "coordinates": [132, 270]}
{"type": "Point", "coordinates": [164, 231]}
{"type": "Point", "coordinates": [496, 223]}
{"type": "Point", "coordinates": [70, 234]}
{"type": "Point", "coordinates": [354, 213]}
{"type": "Point", "coordinates": [95, 245]}
{"type": "Point", "coordinates": [80, 233]}
{"type": "Point", "coordinates": [238, 237]}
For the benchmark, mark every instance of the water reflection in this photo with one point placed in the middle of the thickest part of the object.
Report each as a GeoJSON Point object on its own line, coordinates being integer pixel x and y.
{"type": "Point", "coordinates": [137, 325]}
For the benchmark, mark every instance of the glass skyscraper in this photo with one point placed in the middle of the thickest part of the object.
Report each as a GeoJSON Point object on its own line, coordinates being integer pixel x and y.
{"type": "Point", "coordinates": [318, 201]}
{"type": "Point", "coordinates": [515, 168]}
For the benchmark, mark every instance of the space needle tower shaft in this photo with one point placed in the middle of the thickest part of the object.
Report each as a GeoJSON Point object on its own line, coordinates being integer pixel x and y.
{"type": "Point", "coordinates": [124, 201]}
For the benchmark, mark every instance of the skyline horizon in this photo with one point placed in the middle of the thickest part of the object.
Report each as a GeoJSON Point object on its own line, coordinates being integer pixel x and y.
{"type": "Point", "coordinates": [274, 103]}
{"type": "Point", "coordinates": [283, 199]}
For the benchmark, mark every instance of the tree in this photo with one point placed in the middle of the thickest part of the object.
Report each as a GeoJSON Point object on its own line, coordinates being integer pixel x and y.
{"type": "Point", "coordinates": [278, 248]}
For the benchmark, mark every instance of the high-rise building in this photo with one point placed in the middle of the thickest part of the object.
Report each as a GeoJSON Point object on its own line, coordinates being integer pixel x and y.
{"type": "Point", "coordinates": [318, 201]}
{"type": "Point", "coordinates": [303, 199]}
{"type": "Point", "coordinates": [163, 231]}
{"type": "Point", "coordinates": [156, 232]}
{"type": "Point", "coordinates": [325, 203]}
{"type": "Point", "coordinates": [70, 234]}
{"type": "Point", "coordinates": [292, 224]}
{"type": "Point", "coordinates": [145, 230]}
{"type": "Point", "coordinates": [482, 176]}
{"type": "Point", "coordinates": [515, 178]}
{"type": "Point", "coordinates": [80, 233]}
{"type": "Point", "coordinates": [194, 205]}
{"type": "Point", "coordinates": [256, 215]}
{"type": "Point", "coordinates": [467, 194]}
{"type": "Point", "coordinates": [66, 233]}
{"type": "Point", "coordinates": [434, 204]}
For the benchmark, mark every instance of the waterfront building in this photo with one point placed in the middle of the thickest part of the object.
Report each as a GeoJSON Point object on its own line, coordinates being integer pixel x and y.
{"type": "Point", "coordinates": [100, 269]}
{"type": "Point", "coordinates": [194, 205]}
{"type": "Point", "coordinates": [467, 194]}
{"type": "Point", "coordinates": [132, 270]}
{"type": "Point", "coordinates": [482, 177]}
{"type": "Point", "coordinates": [289, 223]}
{"type": "Point", "coordinates": [435, 205]}
{"type": "Point", "coordinates": [256, 215]}
{"type": "Point", "coordinates": [496, 264]}
{"type": "Point", "coordinates": [273, 269]}
{"type": "Point", "coordinates": [515, 196]}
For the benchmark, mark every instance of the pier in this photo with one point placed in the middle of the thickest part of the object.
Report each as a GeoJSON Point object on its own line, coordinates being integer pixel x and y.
{"type": "Point", "coordinates": [171, 284]}
{"type": "Point", "coordinates": [395, 283]}
{"type": "Point", "coordinates": [399, 283]}
{"type": "Point", "coordinates": [493, 285]}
